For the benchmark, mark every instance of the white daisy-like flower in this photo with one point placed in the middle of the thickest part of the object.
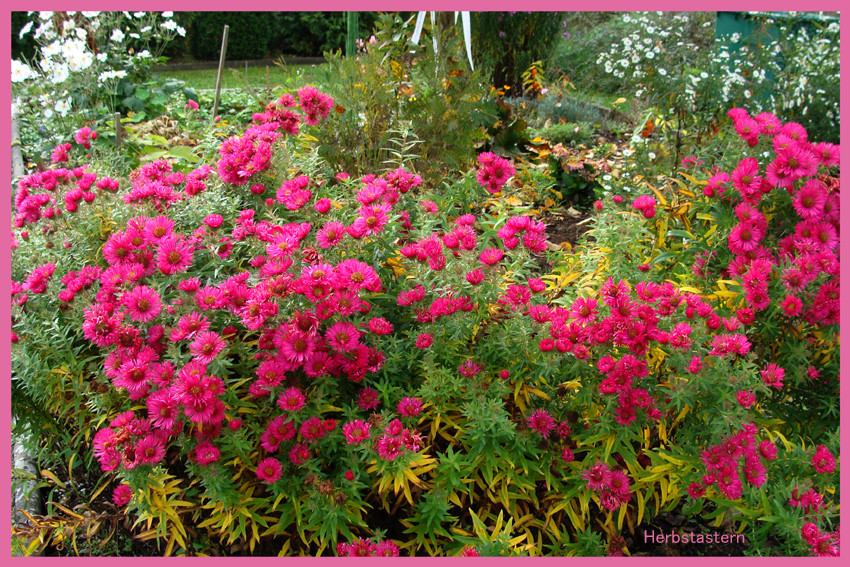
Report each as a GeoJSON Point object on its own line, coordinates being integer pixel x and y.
{"type": "Point", "coordinates": [60, 74]}
{"type": "Point", "coordinates": [662, 71]}
{"type": "Point", "coordinates": [21, 72]}
{"type": "Point", "coordinates": [117, 36]}
{"type": "Point", "coordinates": [25, 30]}
{"type": "Point", "coordinates": [168, 14]}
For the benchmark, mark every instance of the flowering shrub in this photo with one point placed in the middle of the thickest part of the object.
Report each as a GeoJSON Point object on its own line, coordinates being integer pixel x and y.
{"type": "Point", "coordinates": [90, 64]}
{"type": "Point", "coordinates": [271, 348]}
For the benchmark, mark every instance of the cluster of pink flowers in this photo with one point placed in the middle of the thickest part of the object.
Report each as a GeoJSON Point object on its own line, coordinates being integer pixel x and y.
{"type": "Point", "coordinates": [397, 439]}
{"type": "Point", "coordinates": [822, 544]}
{"type": "Point", "coordinates": [646, 205]}
{"type": "Point", "coordinates": [723, 469]}
{"type": "Point", "coordinates": [612, 486]}
{"type": "Point", "coordinates": [494, 171]}
{"type": "Point", "coordinates": [823, 460]}
{"type": "Point", "coordinates": [807, 253]}
{"type": "Point", "coordinates": [32, 206]}
{"type": "Point", "coordinates": [533, 233]}
{"type": "Point", "coordinates": [367, 548]}
{"type": "Point", "coordinates": [809, 502]}
{"type": "Point", "coordinates": [84, 136]}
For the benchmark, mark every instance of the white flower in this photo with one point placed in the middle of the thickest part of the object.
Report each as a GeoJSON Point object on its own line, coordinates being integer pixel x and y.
{"type": "Point", "coordinates": [44, 16]}
{"type": "Point", "coordinates": [144, 54]}
{"type": "Point", "coordinates": [45, 30]}
{"type": "Point", "coordinates": [63, 106]}
{"type": "Point", "coordinates": [68, 25]}
{"type": "Point", "coordinates": [138, 15]}
{"type": "Point", "coordinates": [25, 30]}
{"type": "Point", "coordinates": [747, 93]}
{"type": "Point", "coordinates": [108, 75]}
{"type": "Point", "coordinates": [662, 71]}
{"type": "Point", "coordinates": [47, 113]}
{"type": "Point", "coordinates": [607, 177]}
{"type": "Point", "coordinates": [117, 36]}
{"type": "Point", "coordinates": [650, 55]}
{"type": "Point", "coordinates": [146, 29]}
{"type": "Point", "coordinates": [181, 31]}
{"type": "Point", "coordinates": [651, 155]}
{"type": "Point", "coordinates": [135, 36]}
{"type": "Point", "coordinates": [623, 63]}
{"type": "Point", "coordinates": [170, 25]}
{"type": "Point", "coordinates": [21, 71]}
{"type": "Point", "coordinates": [101, 57]}
{"type": "Point", "coordinates": [628, 153]}
{"type": "Point", "coordinates": [60, 74]}
{"type": "Point", "coordinates": [703, 75]}
{"type": "Point", "coordinates": [90, 14]}
{"type": "Point", "coordinates": [168, 14]}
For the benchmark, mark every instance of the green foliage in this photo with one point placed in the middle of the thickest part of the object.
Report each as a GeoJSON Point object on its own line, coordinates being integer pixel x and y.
{"type": "Point", "coordinates": [389, 103]}
{"type": "Point", "coordinates": [507, 43]}
{"type": "Point", "coordinates": [248, 38]}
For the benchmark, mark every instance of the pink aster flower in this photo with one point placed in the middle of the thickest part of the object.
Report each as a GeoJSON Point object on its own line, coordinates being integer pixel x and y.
{"type": "Point", "coordinates": [409, 407]}
{"type": "Point", "coordinates": [342, 336]}
{"type": "Point", "coordinates": [142, 303]}
{"type": "Point", "coordinates": [490, 256]}
{"type": "Point", "coordinates": [292, 399]}
{"type": "Point", "coordinates": [122, 495]}
{"type": "Point", "coordinates": [206, 346]}
{"type": "Point", "coordinates": [772, 375]}
{"type": "Point", "coordinates": [823, 460]}
{"type": "Point", "coordinates": [424, 340]}
{"type": "Point", "coordinates": [269, 470]}
{"type": "Point", "coordinates": [541, 422]}
{"type": "Point", "coordinates": [356, 431]}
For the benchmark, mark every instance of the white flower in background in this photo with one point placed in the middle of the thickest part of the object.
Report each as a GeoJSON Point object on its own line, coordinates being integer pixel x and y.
{"type": "Point", "coordinates": [635, 58]}
{"type": "Point", "coordinates": [650, 55]}
{"type": "Point", "coordinates": [101, 57]}
{"type": "Point", "coordinates": [135, 36]}
{"type": "Point", "coordinates": [68, 25]}
{"type": "Point", "coordinates": [90, 14]}
{"type": "Point", "coordinates": [651, 155]}
{"type": "Point", "coordinates": [628, 153]}
{"type": "Point", "coordinates": [60, 74]}
{"type": "Point", "coordinates": [662, 71]}
{"type": "Point", "coordinates": [623, 63]}
{"type": "Point", "coordinates": [25, 30]}
{"type": "Point", "coordinates": [80, 61]}
{"type": "Point", "coordinates": [51, 50]}
{"type": "Point", "coordinates": [168, 14]}
{"type": "Point", "coordinates": [109, 75]}
{"type": "Point", "coordinates": [117, 36]}
{"type": "Point", "coordinates": [146, 29]}
{"type": "Point", "coordinates": [44, 16]}
{"type": "Point", "coordinates": [747, 93]}
{"type": "Point", "coordinates": [627, 18]}
{"type": "Point", "coordinates": [703, 75]}
{"type": "Point", "coordinates": [21, 71]}
{"type": "Point", "coordinates": [181, 31]}
{"type": "Point", "coordinates": [47, 113]}
{"type": "Point", "coordinates": [46, 31]}
{"type": "Point", "coordinates": [138, 15]}
{"type": "Point", "coordinates": [63, 106]}
{"type": "Point", "coordinates": [144, 54]}
{"type": "Point", "coordinates": [169, 25]}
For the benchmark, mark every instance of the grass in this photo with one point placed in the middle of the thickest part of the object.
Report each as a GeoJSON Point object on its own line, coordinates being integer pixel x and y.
{"type": "Point", "coordinates": [254, 77]}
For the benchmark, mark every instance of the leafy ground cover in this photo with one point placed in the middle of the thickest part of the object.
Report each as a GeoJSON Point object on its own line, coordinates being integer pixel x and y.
{"type": "Point", "coordinates": [400, 311]}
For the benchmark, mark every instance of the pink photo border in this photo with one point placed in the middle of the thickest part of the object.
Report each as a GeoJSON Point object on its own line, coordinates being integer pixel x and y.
{"type": "Point", "coordinates": [371, 5]}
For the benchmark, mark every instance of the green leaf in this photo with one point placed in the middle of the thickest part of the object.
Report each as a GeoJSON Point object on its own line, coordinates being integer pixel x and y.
{"type": "Point", "coordinates": [183, 152]}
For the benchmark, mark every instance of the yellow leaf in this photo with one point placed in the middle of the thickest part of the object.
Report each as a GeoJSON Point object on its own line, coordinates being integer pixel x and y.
{"type": "Point", "coordinates": [53, 478]}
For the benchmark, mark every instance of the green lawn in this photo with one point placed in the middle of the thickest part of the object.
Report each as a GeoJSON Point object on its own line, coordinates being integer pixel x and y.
{"type": "Point", "coordinates": [254, 77]}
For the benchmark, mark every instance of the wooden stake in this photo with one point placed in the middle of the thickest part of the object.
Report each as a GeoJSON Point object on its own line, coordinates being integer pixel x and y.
{"type": "Point", "coordinates": [220, 69]}
{"type": "Point", "coordinates": [119, 133]}
{"type": "Point", "coordinates": [18, 169]}
{"type": "Point", "coordinates": [268, 83]}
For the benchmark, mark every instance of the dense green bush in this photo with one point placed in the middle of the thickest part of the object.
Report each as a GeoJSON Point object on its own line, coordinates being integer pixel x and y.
{"type": "Point", "coordinates": [314, 33]}
{"type": "Point", "coordinates": [507, 43]}
{"type": "Point", "coordinates": [248, 38]}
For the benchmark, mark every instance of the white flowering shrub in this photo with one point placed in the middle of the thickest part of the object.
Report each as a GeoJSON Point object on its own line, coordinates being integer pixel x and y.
{"type": "Point", "coordinates": [787, 68]}
{"type": "Point", "coordinates": [90, 64]}
{"type": "Point", "coordinates": [671, 61]}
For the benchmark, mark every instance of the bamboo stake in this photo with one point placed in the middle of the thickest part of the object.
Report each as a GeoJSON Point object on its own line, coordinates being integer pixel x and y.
{"type": "Point", "coordinates": [220, 69]}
